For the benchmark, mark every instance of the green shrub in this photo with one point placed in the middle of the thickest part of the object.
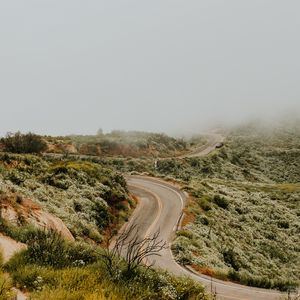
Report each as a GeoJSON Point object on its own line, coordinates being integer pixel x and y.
{"type": "Point", "coordinates": [231, 258]}
{"type": "Point", "coordinates": [19, 233]}
{"type": "Point", "coordinates": [185, 233]}
{"type": "Point", "coordinates": [15, 177]}
{"type": "Point", "coordinates": [101, 215]}
{"type": "Point", "coordinates": [48, 248]}
{"type": "Point", "coordinates": [187, 288]}
{"type": "Point", "coordinates": [18, 260]}
{"type": "Point", "coordinates": [91, 282]}
{"type": "Point", "coordinates": [24, 143]}
{"type": "Point", "coordinates": [221, 201]}
{"type": "Point", "coordinates": [33, 277]}
{"type": "Point", "coordinates": [203, 200]}
{"type": "Point", "coordinates": [204, 204]}
{"type": "Point", "coordinates": [6, 292]}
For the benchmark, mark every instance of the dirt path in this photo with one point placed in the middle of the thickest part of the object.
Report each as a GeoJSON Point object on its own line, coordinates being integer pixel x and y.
{"type": "Point", "coordinates": [9, 247]}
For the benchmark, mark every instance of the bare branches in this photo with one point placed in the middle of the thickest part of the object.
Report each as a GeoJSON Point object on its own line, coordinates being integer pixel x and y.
{"type": "Point", "coordinates": [134, 249]}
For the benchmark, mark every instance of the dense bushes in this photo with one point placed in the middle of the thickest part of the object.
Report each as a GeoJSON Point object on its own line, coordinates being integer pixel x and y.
{"type": "Point", "coordinates": [54, 269]}
{"type": "Point", "coordinates": [263, 281]}
{"type": "Point", "coordinates": [90, 282]}
{"type": "Point", "coordinates": [24, 143]}
{"type": "Point", "coordinates": [18, 233]}
{"type": "Point", "coordinates": [253, 241]}
{"type": "Point", "coordinates": [231, 259]}
{"type": "Point", "coordinates": [87, 196]}
{"type": "Point", "coordinates": [48, 248]}
{"type": "Point", "coordinates": [221, 201]}
{"type": "Point", "coordinates": [133, 144]}
{"type": "Point", "coordinates": [101, 215]}
{"type": "Point", "coordinates": [6, 292]}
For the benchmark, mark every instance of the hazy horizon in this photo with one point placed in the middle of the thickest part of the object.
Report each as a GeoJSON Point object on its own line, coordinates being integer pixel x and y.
{"type": "Point", "coordinates": [71, 67]}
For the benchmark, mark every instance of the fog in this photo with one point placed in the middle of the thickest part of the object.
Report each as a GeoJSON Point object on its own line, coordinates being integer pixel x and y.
{"type": "Point", "coordinates": [73, 66]}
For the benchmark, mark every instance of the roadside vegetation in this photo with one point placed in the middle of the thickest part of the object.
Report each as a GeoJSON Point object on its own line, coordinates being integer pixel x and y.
{"type": "Point", "coordinates": [92, 200]}
{"type": "Point", "coordinates": [242, 221]}
{"type": "Point", "coordinates": [88, 198]}
{"type": "Point", "coordinates": [52, 268]}
{"type": "Point", "coordinates": [241, 232]}
{"type": "Point", "coordinates": [121, 143]}
{"type": "Point", "coordinates": [114, 144]}
{"type": "Point", "coordinates": [23, 143]}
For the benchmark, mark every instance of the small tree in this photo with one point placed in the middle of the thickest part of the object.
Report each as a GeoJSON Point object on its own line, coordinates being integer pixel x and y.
{"type": "Point", "coordinates": [23, 143]}
{"type": "Point", "coordinates": [134, 250]}
{"type": "Point", "coordinates": [100, 132]}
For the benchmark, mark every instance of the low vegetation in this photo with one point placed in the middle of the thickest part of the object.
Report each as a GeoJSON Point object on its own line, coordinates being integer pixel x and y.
{"type": "Point", "coordinates": [245, 209]}
{"type": "Point", "coordinates": [93, 201]}
{"type": "Point", "coordinates": [6, 292]}
{"type": "Point", "coordinates": [52, 268]}
{"type": "Point", "coordinates": [132, 143]}
{"type": "Point", "coordinates": [23, 143]}
{"type": "Point", "coordinates": [86, 196]}
{"type": "Point", "coordinates": [242, 223]}
{"type": "Point", "coordinates": [249, 235]}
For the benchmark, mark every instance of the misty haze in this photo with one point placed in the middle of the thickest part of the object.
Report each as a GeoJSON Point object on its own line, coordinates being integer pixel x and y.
{"type": "Point", "coordinates": [149, 150]}
{"type": "Point", "coordinates": [164, 66]}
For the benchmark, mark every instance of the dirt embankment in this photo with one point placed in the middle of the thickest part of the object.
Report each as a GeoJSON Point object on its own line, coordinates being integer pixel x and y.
{"type": "Point", "coordinates": [9, 246]}
{"type": "Point", "coordinates": [19, 211]}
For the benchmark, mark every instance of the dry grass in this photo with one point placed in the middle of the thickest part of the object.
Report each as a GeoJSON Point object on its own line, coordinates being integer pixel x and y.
{"type": "Point", "coordinates": [204, 270]}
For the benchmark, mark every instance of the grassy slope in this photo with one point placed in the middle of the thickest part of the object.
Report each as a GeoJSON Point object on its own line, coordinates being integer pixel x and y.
{"type": "Point", "coordinates": [92, 282]}
{"type": "Point", "coordinates": [89, 198]}
{"type": "Point", "coordinates": [120, 143]}
{"type": "Point", "coordinates": [54, 269]}
{"type": "Point", "coordinates": [243, 222]}
{"type": "Point", "coordinates": [251, 236]}
{"type": "Point", "coordinates": [86, 196]}
{"type": "Point", "coordinates": [246, 209]}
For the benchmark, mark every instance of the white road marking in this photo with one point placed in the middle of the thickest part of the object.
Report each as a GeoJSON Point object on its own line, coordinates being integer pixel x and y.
{"type": "Point", "coordinates": [203, 279]}
{"type": "Point", "coordinates": [159, 208]}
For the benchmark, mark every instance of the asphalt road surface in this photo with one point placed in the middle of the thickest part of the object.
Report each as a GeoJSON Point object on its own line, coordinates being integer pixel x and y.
{"type": "Point", "coordinates": [213, 139]}
{"type": "Point", "coordinates": [160, 208]}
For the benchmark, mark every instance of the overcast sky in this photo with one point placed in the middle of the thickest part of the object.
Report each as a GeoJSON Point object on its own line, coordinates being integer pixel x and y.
{"type": "Point", "coordinates": [69, 66]}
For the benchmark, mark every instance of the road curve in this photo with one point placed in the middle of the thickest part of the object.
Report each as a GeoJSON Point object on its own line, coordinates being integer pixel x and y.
{"type": "Point", "coordinates": [160, 208]}
{"type": "Point", "coordinates": [213, 139]}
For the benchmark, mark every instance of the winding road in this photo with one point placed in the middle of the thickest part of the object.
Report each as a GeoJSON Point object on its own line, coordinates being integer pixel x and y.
{"type": "Point", "coordinates": [213, 139]}
{"type": "Point", "coordinates": [160, 208]}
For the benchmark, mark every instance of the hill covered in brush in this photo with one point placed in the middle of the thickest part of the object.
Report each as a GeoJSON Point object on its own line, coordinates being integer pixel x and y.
{"type": "Point", "coordinates": [119, 143]}
{"type": "Point", "coordinates": [242, 220]}
{"type": "Point", "coordinates": [65, 211]}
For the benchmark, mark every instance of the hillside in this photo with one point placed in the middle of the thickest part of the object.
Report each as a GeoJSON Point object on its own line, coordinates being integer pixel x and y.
{"type": "Point", "coordinates": [120, 143]}
{"type": "Point", "coordinates": [76, 192]}
{"type": "Point", "coordinates": [80, 204]}
{"type": "Point", "coordinates": [242, 221]}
